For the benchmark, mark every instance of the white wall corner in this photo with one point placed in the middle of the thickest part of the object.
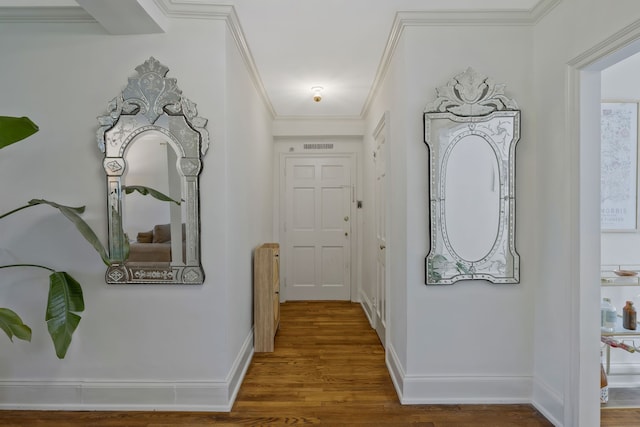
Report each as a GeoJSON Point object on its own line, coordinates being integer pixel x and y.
{"type": "Point", "coordinates": [367, 307]}
{"type": "Point", "coordinates": [396, 371]}
{"type": "Point", "coordinates": [239, 368]}
{"type": "Point", "coordinates": [548, 402]}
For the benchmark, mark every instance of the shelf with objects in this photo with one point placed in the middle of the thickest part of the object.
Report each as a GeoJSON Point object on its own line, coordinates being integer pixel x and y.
{"type": "Point", "coordinates": [619, 285]}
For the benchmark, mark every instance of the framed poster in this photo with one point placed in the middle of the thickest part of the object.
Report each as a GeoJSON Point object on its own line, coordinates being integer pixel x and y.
{"type": "Point", "coordinates": [619, 166]}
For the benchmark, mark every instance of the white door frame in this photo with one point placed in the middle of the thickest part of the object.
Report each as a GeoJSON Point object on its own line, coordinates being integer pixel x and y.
{"type": "Point", "coordinates": [354, 285]}
{"type": "Point", "coordinates": [581, 407]}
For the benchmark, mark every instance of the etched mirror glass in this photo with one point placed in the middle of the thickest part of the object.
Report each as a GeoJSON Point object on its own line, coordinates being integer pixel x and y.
{"type": "Point", "coordinates": [471, 131]}
{"type": "Point", "coordinates": [153, 142]}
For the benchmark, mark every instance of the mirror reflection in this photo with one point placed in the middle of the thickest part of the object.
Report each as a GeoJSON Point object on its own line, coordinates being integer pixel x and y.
{"type": "Point", "coordinates": [472, 199]}
{"type": "Point", "coordinates": [153, 141]}
{"type": "Point", "coordinates": [153, 226]}
{"type": "Point", "coordinates": [471, 131]}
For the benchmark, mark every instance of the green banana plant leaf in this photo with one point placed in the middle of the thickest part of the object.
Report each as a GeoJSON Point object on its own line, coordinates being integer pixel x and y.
{"type": "Point", "coordinates": [12, 325]}
{"type": "Point", "coordinates": [73, 215]}
{"type": "Point", "coordinates": [65, 298]}
{"type": "Point", "coordinates": [14, 129]}
{"type": "Point", "coordinates": [128, 189]}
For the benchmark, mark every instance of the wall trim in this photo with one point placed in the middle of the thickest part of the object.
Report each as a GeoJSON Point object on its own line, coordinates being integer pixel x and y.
{"type": "Point", "coordinates": [403, 20]}
{"type": "Point", "coordinates": [196, 10]}
{"type": "Point", "coordinates": [396, 371]}
{"type": "Point", "coordinates": [115, 395]}
{"type": "Point", "coordinates": [367, 307]}
{"type": "Point", "coordinates": [239, 368]}
{"type": "Point", "coordinates": [548, 402]}
{"type": "Point", "coordinates": [53, 14]}
{"type": "Point", "coordinates": [131, 395]}
{"type": "Point", "coordinates": [441, 389]}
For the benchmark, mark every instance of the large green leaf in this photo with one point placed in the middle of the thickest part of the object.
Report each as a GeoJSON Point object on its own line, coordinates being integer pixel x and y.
{"type": "Point", "coordinates": [73, 215]}
{"type": "Point", "coordinates": [12, 325]}
{"type": "Point", "coordinates": [65, 298]}
{"type": "Point", "coordinates": [128, 189]}
{"type": "Point", "coordinates": [14, 129]}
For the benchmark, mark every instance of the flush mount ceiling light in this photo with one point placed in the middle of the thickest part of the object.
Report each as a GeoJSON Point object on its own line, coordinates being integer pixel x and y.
{"type": "Point", "coordinates": [317, 93]}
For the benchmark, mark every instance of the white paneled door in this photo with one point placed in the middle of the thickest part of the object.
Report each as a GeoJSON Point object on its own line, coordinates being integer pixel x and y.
{"type": "Point", "coordinates": [318, 228]}
{"type": "Point", "coordinates": [380, 301]}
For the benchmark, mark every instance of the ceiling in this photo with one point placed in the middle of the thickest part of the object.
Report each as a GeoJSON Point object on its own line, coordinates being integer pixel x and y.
{"type": "Point", "coordinates": [340, 45]}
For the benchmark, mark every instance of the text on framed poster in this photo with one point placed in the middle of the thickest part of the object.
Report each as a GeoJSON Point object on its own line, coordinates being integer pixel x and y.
{"type": "Point", "coordinates": [619, 164]}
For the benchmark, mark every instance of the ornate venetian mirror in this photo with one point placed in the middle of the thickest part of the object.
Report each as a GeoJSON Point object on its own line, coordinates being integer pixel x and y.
{"type": "Point", "coordinates": [153, 142]}
{"type": "Point", "coordinates": [471, 131]}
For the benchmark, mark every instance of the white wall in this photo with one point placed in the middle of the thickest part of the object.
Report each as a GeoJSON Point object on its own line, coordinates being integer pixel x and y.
{"type": "Point", "coordinates": [250, 194]}
{"type": "Point", "coordinates": [136, 346]}
{"type": "Point", "coordinates": [469, 342]}
{"type": "Point", "coordinates": [389, 98]}
{"type": "Point", "coordinates": [457, 334]}
{"type": "Point", "coordinates": [566, 349]}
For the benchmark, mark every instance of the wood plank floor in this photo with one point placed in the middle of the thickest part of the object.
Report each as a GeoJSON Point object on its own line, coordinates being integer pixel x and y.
{"type": "Point", "coordinates": [328, 369]}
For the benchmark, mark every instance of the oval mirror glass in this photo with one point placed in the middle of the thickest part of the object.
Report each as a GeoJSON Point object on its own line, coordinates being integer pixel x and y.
{"type": "Point", "coordinates": [472, 198]}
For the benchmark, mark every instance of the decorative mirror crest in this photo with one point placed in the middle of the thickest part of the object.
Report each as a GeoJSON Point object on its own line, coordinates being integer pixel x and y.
{"type": "Point", "coordinates": [471, 94]}
{"type": "Point", "coordinates": [153, 141]}
{"type": "Point", "coordinates": [471, 131]}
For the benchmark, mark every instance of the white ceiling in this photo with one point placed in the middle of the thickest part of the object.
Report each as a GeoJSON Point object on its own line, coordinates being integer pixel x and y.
{"type": "Point", "coordinates": [294, 44]}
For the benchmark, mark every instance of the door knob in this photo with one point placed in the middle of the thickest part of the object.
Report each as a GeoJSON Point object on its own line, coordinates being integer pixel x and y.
{"type": "Point", "coordinates": [346, 218]}
{"type": "Point", "coordinates": [382, 247]}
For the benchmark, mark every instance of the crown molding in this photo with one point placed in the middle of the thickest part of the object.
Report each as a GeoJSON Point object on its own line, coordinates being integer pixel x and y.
{"type": "Point", "coordinates": [616, 43]}
{"type": "Point", "coordinates": [541, 9]}
{"type": "Point", "coordinates": [63, 14]}
{"type": "Point", "coordinates": [171, 8]}
{"type": "Point", "coordinates": [197, 10]}
{"type": "Point", "coordinates": [404, 19]}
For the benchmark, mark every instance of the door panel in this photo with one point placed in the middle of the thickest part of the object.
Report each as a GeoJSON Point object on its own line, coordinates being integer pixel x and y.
{"type": "Point", "coordinates": [317, 228]}
{"type": "Point", "coordinates": [380, 192]}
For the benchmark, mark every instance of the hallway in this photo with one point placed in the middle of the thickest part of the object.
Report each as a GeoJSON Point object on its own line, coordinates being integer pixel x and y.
{"type": "Point", "coordinates": [328, 369]}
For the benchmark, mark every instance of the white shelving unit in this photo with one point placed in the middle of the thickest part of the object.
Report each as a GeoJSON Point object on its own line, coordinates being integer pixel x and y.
{"type": "Point", "coordinates": [623, 288]}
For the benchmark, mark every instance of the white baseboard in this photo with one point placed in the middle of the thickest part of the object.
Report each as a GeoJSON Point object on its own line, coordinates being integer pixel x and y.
{"type": "Point", "coordinates": [210, 396]}
{"type": "Point", "coordinates": [396, 371]}
{"type": "Point", "coordinates": [548, 402]}
{"type": "Point", "coordinates": [466, 389]}
{"type": "Point", "coordinates": [432, 389]}
{"type": "Point", "coordinates": [367, 307]}
{"type": "Point", "coordinates": [239, 368]}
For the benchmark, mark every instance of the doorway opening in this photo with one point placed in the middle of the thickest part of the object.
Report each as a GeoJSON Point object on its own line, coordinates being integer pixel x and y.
{"type": "Point", "coordinates": [318, 220]}
{"type": "Point", "coordinates": [620, 238]}
{"type": "Point", "coordinates": [584, 108]}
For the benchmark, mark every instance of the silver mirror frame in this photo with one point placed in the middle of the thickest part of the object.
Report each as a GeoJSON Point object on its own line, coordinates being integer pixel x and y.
{"type": "Point", "coordinates": [469, 105]}
{"type": "Point", "coordinates": [153, 103]}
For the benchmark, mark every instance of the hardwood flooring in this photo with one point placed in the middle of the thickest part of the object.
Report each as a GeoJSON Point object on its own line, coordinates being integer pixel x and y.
{"type": "Point", "coordinates": [328, 369]}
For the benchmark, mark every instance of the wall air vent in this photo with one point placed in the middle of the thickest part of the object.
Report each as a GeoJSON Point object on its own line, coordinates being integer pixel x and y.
{"type": "Point", "coordinates": [318, 146]}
